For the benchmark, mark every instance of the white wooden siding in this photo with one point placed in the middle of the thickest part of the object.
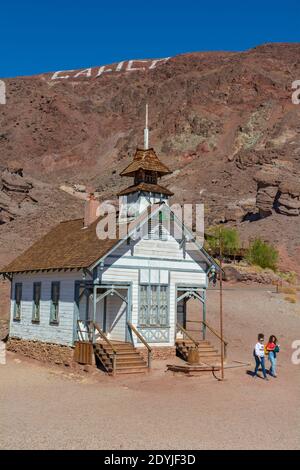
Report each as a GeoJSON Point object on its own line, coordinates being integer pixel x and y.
{"type": "Point", "coordinates": [43, 331]}
{"type": "Point", "coordinates": [127, 264]}
{"type": "Point", "coordinates": [155, 260]}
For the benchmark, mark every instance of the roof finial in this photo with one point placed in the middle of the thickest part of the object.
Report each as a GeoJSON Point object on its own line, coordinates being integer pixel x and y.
{"type": "Point", "coordinates": [146, 131]}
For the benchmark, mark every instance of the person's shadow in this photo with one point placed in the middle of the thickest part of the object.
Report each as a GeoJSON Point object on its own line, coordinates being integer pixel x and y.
{"type": "Point", "coordinates": [251, 373]}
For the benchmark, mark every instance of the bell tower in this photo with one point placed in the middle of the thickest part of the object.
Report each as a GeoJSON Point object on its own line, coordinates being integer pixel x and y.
{"type": "Point", "coordinates": [145, 169]}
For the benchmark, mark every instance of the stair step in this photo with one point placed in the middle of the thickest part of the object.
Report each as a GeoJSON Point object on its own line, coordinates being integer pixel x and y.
{"type": "Point", "coordinates": [187, 341]}
{"type": "Point", "coordinates": [118, 345]}
{"type": "Point", "coordinates": [208, 353]}
{"type": "Point", "coordinates": [128, 366]}
{"type": "Point", "coordinates": [126, 362]}
{"type": "Point", "coordinates": [216, 356]}
{"type": "Point", "coordinates": [128, 359]}
{"type": "Point", "coordinates": [132, 371]}
{"type": "Point", "coordinates": [119, 350]}
{"type": "Point", "coordinates": [129, 356]}
{"type": "Point", "coordinates": [124, 355]}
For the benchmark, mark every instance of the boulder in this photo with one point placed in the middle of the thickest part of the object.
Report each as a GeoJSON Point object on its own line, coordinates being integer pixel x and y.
{"type": "Point", "coordinates": [15, 182]}
{"type": "Point", "coordinates": [289, 199]}
{"type": "Point", "coordinates": [278, 188]}
{"type": "Point", "coordinates": [231, 274]}
{"type": "Point", "coordinates": [265, 199]}
{"type": "Point", "coordinates": [234, 213]}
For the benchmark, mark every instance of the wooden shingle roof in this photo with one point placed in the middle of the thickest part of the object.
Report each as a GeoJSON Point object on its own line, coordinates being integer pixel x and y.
{"type": "Point", "coordinates": [147, 187]}
{"type": "Point", "coordinates": [66, 246]}
{"type": "Point", "coordinates": [145, 160]}
{"type": "Point", "coordinates": [69, 245]}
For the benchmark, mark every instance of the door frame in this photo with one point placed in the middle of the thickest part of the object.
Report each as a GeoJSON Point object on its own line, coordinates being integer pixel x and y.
{"type": "Point", "coordinates": [196, 291]}
{"type": "Point", "coordinates": [112, 288]}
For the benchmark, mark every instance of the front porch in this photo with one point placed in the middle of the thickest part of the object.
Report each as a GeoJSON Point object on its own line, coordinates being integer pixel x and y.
{"type": "Point", "coordinates": [121, 344]}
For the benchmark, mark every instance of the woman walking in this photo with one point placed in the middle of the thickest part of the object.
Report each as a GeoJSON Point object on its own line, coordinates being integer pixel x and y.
{"type": "Point", "coordinates": [272, 350]}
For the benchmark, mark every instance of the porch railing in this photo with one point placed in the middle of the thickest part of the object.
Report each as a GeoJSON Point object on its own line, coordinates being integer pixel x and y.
{"type": "Point", "coordinates": [87, 332]}
{"type": "Point", "coordinates": [185, 333]}
{"type": "Point", "coordinates": [105, 338]}
{"type": "Point", "coordinates": [142, 339]}
{"type": "Point", "coordinates": [217, 334]}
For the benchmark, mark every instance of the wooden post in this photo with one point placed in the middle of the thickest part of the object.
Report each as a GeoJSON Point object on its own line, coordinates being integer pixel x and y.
{"type": "Point", "coordinates": [204, 315]}
{"type": "Point", "coordinates": [221, 310]}
{"type": "Point", "coordinates": [94, 311]}
{"type": "Point", "coordinates": [149, 359]}
{"type": "Point", "coordinates": [114, 363]}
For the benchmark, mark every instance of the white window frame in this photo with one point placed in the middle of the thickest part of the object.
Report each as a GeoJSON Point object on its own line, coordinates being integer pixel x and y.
{"type": "Point", "coordinates": [153, 320]}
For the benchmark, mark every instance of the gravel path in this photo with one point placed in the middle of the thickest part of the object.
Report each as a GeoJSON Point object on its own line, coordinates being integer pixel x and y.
{"type": "Point", "coordinates": [53, 408]}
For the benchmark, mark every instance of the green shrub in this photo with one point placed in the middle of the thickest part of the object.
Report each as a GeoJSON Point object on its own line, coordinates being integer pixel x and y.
{"type": "Point", "coordinates": [228, 238]}
{"type": "Point", "coordinates": [262, 254]}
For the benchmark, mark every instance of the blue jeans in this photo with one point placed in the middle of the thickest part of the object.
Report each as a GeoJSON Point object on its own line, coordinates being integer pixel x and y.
{"type": "Point", "coordinates": [260, 361]}
{"type": "Point", "coordinates": [272, 359]}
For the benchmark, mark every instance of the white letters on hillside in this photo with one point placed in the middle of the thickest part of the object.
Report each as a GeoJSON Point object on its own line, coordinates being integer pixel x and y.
{"type": "Point", "coordinates": [84, 73]}
{"type": "Point", "coordinates": [56, 75]}
{"type": "Point", "coordinates": [124, 66]}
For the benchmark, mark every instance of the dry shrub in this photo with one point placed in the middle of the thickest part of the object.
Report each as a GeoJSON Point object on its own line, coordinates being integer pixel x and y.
{"type": "Point", "coordinates": [291, 298]}
{"type": "Point", "coordinates": [287, 290]}
{"type": "Point", "coordinates": [291, 277]}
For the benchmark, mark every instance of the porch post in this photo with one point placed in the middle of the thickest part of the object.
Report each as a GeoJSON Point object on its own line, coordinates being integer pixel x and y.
{"type": "Point", "coordinates": [128, 332]}
{"type": "Point", "coordinates": [94, 308]}
{"type": "Point", "coordinates": [204, 314]}
{"type": "Point", "coordinates": [87, 300]}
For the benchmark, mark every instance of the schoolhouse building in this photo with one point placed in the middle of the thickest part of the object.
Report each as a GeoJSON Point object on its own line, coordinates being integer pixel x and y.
{"type": "Point", "coordinates": [125, 294]}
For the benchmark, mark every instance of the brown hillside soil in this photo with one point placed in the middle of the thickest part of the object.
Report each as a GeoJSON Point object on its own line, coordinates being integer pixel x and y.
{"type": "Point", "coordinates": [223, 122]}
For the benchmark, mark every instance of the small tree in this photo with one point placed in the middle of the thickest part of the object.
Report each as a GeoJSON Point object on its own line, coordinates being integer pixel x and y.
{"type": "Point", "coordinates": [228, 238]}
{"type": "Point", "coordinates": [262, 254]}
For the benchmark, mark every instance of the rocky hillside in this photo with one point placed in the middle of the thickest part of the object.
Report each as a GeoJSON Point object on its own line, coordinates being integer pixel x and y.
{"type": "Point", "coordinates": [224, 122]}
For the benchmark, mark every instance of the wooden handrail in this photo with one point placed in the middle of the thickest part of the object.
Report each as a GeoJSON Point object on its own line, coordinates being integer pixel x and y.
{"type": "Point", "coordinates": [142, 339]}
{"type": "Point", "coordinates": [183, 330]}
{"type": "Point", "coordinates": [103, 336]}
{"type": "Point", "coordinates": [218, 336]}
{"type": "Point", "coordinates": [214, 331]}
{"type": "Point", "coordinates": [138, 334]}
{"type": "Point", "coordinates": [79, 330]}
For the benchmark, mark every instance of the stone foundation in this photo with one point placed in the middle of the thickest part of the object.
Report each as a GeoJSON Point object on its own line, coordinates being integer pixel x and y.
{"type": "Point", "coordinates": [158, 352]}
{"type": "Point", "coordinates": [45, 352]}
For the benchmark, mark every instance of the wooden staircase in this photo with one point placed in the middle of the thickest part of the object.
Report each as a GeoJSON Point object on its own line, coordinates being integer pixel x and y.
{"type": "Point", "coordinates": [207, 352]}
{"type": "Point", "coordinates": [127, 358]}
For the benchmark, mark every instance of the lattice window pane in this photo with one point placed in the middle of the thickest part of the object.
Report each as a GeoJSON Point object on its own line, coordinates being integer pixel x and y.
{"type": "Point", "coordinates": [143, 313]}
{"type": "Point", "coordinates": [154, 299]}
{"type": "Point", "coordinates": [55, 293]}
{"type": "Point", "coordinates": [18, 299]}
{"type": "Point", "coordinates": [36, 301]}
{"type": "Point", "coordinates": [153, 309]}
{"type": "Point", "coordinates": [163, 313]}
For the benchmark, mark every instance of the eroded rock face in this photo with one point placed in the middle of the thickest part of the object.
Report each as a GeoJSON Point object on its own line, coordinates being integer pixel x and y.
{"type": "Point", "coordinates": [265, 199]}
{"type": "Point", "coordinates": [289, 198]}
{"type": "Point", "coordinates": [216, 118]}
{"type": "Point", "coordinates": [278, 189]}
{"type": "Point", "coordinates": [236, 212]}
{"type": "Point", "coordinates": [14, 181]}
{"type": "Point", "coordinates": [14, 191]}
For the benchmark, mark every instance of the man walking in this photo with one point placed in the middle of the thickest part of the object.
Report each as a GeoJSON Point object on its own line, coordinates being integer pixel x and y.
{"type": "Point", "coordinates": [259, 355]}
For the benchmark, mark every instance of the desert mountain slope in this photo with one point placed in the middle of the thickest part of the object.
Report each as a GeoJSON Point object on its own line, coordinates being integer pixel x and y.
{"type": "Point", "coordinates": [223, 122]}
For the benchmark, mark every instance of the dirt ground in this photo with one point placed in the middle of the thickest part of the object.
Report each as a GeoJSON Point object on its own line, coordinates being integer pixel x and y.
{"type": "Point", "coordinates": [55, 408]}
